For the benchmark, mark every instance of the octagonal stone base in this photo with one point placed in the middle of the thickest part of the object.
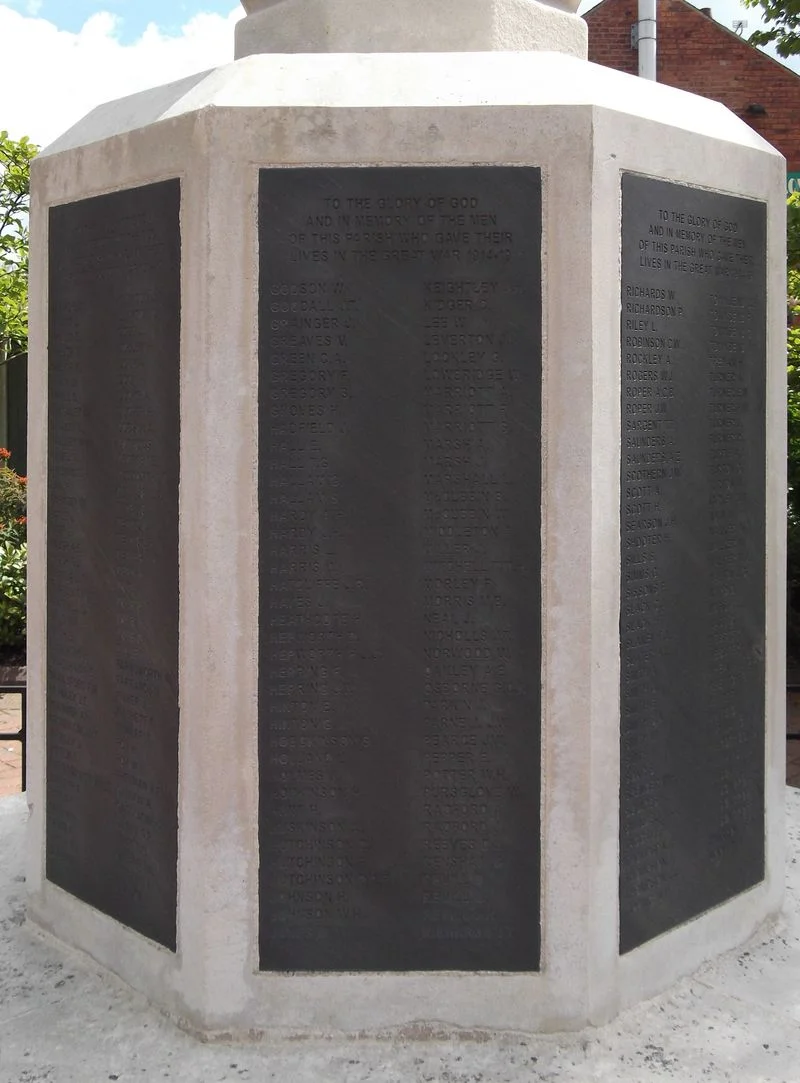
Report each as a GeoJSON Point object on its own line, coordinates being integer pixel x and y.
{"type": "Point", "coordinates": [584, 127]}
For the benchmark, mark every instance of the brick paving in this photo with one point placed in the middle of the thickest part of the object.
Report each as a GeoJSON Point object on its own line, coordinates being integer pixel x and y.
{"type": "Point", "coordinates": [10, 751]}
{"type": "Point", "coordinates": [793, 763]}
{"type": "Point", "coordinates": [793, 747]}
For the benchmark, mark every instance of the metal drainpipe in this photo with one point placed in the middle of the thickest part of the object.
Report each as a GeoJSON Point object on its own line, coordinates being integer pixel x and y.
{"type": "Point", "coordinates": [647, 39]}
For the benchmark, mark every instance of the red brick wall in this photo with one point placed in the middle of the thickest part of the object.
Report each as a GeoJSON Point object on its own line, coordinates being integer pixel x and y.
{"type": "Point", "coordinates": [696, 53]}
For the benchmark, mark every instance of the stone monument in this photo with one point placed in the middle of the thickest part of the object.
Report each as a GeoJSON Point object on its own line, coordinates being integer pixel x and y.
{"type": "Point", "coordinates": [406, 527]}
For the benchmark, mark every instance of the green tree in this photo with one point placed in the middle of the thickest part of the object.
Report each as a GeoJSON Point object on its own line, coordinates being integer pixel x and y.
{"type": "Point", "coordinates": [793, 411]}
{"type": "Point", "coordinates": [783, 19]}
{"type": "Point", "coordinates": [15, 162]}
{"type": "Point", "coordinates": [13, 558]}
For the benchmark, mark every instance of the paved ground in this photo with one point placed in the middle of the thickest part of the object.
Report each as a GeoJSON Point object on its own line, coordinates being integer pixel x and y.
{"type": "Point", "coordinates": [10, 751]}
{"type": "Point", "coordinates": [793, 747]}
{"type": "Point", "coordinates": [62, 1021]}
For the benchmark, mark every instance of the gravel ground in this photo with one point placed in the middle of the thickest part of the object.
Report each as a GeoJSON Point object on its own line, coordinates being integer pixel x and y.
{"type": "Point", "coordinates": [64, 1021]}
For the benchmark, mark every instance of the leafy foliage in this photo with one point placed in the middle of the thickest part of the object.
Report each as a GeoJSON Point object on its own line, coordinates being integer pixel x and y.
{"type": "Point", "coordinates": [793, 419]}
{"type": "Point", "coordinates": [13, 563]}
{"type": "Point", "coordinates": [783, 17]}
{"type": "Point", "coordinates": [13, 499]}
{"type": "Point", "coordinates": [793, 239]}
{"type": "Point", "coordinates": [13, 554]}
{"type": "Point", "coordinates": [15, 161]}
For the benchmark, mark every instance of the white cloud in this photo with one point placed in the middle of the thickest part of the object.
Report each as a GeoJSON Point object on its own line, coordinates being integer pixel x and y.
{"type": "Point", "coordinates": [51, 78]}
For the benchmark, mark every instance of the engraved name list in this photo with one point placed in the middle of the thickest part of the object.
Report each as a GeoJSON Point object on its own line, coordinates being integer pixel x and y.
{"type": "Point", "coordinates": [112, 554]}
{"type": "Point", "coordinates": [400, 361]}
{"type": "Point", "coordinates": [693, 536]}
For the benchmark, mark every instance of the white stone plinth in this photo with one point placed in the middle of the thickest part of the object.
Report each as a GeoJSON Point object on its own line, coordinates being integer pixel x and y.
{"type": "Point", "coordinates": [583, 126]}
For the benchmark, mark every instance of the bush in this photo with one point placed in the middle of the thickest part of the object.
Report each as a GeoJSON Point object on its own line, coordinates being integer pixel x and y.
{"type": "Point", "coordinates": [13, 564]}
{"type": "Point", "coordinates": [13, 555]}
{"type": "Point", "coordinates": [793, 419]}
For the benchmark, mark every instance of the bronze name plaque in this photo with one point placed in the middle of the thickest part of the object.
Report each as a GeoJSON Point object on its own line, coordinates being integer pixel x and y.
{"type": "Point", "coordinates": [693, 331]}
{"type": "Point", "coordinates": [399, 481]}
{"type": "Point", "coordinates": [112, 554]}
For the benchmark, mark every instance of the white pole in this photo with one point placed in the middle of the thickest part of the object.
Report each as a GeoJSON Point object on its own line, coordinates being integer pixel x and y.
{"type": "Point", "coordinates": [647, 39]}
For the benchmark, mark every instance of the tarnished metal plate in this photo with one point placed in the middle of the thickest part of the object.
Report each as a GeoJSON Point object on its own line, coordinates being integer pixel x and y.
{"type": "Point", "coordinates": [112, 554]}
{"type": "Point", "coordinates": [693, 332]}
{"type": "Point", "coordinates": [399, 480]}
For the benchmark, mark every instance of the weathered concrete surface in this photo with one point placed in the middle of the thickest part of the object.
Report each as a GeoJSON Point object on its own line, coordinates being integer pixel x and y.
{"type": "Point", "coordinates": [361, 26]}
{"type": "Point", "coordinates": [63, 1021]}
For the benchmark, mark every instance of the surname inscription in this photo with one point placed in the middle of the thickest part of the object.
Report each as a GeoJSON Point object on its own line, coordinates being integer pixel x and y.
{"type": "Point", "coordinates": [400, 372]}
{"type": "Point", "coordinates": [693, 332]}
{"type": "Point", "coordinates": [112, 554]}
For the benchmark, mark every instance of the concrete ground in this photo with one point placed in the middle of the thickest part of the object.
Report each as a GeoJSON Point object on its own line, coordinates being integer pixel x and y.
{"type": "Point", "coordinates": [64, 1021]}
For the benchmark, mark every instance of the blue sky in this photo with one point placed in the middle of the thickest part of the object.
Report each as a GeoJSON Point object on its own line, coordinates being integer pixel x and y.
{"type": "Point", "coordinates": [133, 15]}
{"type": "Point", "coordinates": [62, 58]}
{"type": "Point", "coordinates": [171, 15]}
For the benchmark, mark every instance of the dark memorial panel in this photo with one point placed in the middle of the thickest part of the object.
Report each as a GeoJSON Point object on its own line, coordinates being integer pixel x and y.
{"type": "Point", "coordinates": [693, 468]}
{"type": "Point", "coordinates": [112, 554]}
{"type": "Point", "coordinates": [400, 362]}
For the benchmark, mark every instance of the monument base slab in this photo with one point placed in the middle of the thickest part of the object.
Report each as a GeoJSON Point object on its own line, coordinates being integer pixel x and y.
{"type": "Point", "coordinates": [582, 127]}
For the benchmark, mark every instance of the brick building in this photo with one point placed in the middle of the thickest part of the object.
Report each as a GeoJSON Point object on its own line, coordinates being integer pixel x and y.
{"type": "Point", "coordinates": [699, 54]}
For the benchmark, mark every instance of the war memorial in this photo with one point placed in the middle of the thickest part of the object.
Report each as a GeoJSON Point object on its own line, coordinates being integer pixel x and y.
{"type": "Point", "coordinates": [407, 559]}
